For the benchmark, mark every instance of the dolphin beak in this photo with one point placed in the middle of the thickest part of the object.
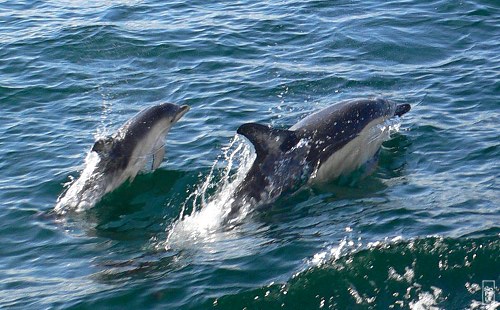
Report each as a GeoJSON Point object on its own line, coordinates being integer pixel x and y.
{"type": "Point", "coordinates": [182, 110]}
{"type": "Point", "coordinates": [402, 109]}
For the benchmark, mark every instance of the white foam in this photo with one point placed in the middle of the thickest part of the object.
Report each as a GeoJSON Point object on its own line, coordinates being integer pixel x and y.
{"type": "Point", "coordinates": [427, 300]}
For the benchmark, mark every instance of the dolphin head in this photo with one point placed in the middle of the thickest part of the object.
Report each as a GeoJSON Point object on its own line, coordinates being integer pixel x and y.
{"type": "Point", "coordinates": [402, 109]}
{"type": "Point", "coordinates": [126, 151]}
{"type": "Point", "coordinates": [170, 111]}
{"type": "Point", "coordinates": [159, 118]}
{"type": "Point", "coordinates": [164, 115]}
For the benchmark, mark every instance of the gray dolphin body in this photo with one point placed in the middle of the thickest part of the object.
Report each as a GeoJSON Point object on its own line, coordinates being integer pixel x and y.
{"type": "Point", "coordinates": [119, 157]}
{"type": "Point", "coordinates": [329, 143]}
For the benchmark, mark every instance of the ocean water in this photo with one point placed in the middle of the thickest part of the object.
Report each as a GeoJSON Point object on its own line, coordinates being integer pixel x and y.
{"type": "Point", "coordinates": [421, 232]}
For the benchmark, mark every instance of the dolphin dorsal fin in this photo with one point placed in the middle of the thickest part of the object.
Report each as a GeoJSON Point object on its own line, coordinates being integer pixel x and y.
{"type": "Point", "coordinates": [267, 139]}
{"type": "Point", "coordinates": [103, 145]}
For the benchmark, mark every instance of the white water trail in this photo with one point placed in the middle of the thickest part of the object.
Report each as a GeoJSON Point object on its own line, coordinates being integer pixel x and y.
{"type": "Point", "coordinates": [204, 222]}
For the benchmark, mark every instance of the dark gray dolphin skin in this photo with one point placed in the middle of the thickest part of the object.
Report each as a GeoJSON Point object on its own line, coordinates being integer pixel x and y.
{"type": "Point", "coordinates": [319, 148]}
{"type": "Point", "coordinates": [122, 155]}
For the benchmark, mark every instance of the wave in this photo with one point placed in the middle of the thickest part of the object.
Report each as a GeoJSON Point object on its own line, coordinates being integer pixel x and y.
{"type": "Point", "coordinates": [423, 273]}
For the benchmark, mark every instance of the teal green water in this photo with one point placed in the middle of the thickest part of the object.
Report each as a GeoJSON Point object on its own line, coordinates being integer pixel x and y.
{"type": "Point", "coordinates": [422, 231]}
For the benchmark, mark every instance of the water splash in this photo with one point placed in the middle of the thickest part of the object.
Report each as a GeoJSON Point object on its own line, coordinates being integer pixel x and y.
{"type": "Point", "coordinates": [383, 131]}
{"type": "Point", "coordinates": [83, 192]}
{"type": "Point", "coordinates": [203, 223]}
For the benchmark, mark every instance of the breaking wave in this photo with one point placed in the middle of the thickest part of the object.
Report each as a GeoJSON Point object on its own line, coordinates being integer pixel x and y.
{"type": "Point", "coordinates": [421, 273]}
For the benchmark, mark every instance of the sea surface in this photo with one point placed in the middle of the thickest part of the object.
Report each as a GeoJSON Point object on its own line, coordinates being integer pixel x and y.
{"type": "Point", "coordinates": [421, 232]}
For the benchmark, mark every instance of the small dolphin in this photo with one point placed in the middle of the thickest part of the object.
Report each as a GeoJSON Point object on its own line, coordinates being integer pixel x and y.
{"type": "Point", "coordinates": [331, 142]}
{"type": "Point", "coordinates": [119, 157]}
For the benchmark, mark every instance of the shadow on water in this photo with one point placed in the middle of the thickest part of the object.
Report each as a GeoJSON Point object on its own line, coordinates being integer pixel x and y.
{"type": "Point", "coordinates": [126, 220]}
{"type": "Point", "coordinates": [149, 265]}
{"type": "Point", "coordinates": [136, 209]}
{"type": "Point", "coordinates": [146, 191]}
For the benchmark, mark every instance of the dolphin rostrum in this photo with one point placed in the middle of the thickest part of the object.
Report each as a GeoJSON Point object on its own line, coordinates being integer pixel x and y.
{"type": "Point", "coordinates": [331, 142]}
{"type": "Point", "coordinates": [119, 157]}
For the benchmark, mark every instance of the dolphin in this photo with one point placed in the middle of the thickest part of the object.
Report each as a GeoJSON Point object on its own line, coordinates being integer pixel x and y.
{"type": "Point", "coordinates": [331, 142]}
{"type": "Point", "coordinates": [119, 157]}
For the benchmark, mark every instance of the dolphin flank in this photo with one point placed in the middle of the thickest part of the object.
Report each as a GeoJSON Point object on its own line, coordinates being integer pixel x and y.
{"type": "Point", "coordinates": [324, 145]}
{"type": "Point", "coordinates": [119, 157]}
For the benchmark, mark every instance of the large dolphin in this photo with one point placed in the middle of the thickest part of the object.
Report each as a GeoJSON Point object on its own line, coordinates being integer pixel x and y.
{"type": "Point", "coordinates": [329, 143]}
{"type": "Point", "coordinates": [120, 156]}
